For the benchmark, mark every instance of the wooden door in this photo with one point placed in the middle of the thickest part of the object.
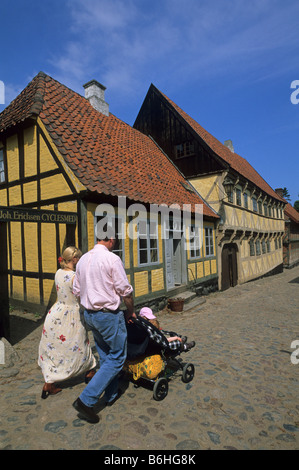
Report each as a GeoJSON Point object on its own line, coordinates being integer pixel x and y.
{"type": "Point", "coordinates": [229, 273]}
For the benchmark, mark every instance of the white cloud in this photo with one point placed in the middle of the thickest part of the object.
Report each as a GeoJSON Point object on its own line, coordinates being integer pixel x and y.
{"type": "Point", "coordinates": [124, 44]}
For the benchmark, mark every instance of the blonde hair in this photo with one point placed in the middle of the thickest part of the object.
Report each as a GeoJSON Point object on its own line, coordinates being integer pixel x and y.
{"type": "Point", "coordinates": [68, 255]}
{"type": "Point", "coordinates": [154, 322]}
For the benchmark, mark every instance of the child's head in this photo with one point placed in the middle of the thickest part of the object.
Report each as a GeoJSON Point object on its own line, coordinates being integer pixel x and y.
{"type": "Point", "coordinates": [147, 313]}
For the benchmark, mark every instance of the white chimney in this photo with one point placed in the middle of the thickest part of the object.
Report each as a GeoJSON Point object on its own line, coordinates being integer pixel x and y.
{"type": "Point", "coordinates": [229, 144]}
{"type": "Point", "coordinates": [95, 94]}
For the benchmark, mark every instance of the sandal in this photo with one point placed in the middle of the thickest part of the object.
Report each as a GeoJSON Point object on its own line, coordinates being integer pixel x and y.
{"type": "Point", "coordinates": [50, 389]}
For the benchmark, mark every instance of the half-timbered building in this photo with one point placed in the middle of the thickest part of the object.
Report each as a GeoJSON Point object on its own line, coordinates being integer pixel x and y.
{"type": "Point", "coordinates": [249, 237]}
{"type": "Point", "coordinates": [62, 156]}
{"type": "Point", "coordinates": [291, 235]}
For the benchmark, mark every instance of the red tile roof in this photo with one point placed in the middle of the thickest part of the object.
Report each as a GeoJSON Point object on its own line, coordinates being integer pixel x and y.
{"type": "Point", "coordinates": [235, 161]}
{"type": "Point", "coordinates": [107, 155]}
{"type": "Point", "coordinates": [291, 212]}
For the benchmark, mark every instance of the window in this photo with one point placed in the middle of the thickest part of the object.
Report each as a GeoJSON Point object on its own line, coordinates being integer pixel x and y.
{"type": "Point", "coordinates": [2, 171]}
{"type": "Point", "coordinates": [263, 247]}
{"type": "Point", "coordinates": [265, 210]}
{"type": "Point", "coordinates": [184, 150]}
{"type": "Point", "coordinates": [117, 226]}
{"type": "Point", "coordinates": [268, 246]}
{"type": "Point", "coordinates": [148, 252]}
{"type": "Point", "coordinates": [254, 204]}
{"type": "Point", "coordinates": [209, 241]}
{"type": "Point", "coordinates": [230, 197]}
{"type": "Point", "coordinates": [251, 248]}
{"type": "Point", "coordinates": [260, 206]}
{"type": "Point", "coordinates": [245, 197]}
{"type": "Point", "coordinates": [258, 247]}
{"type": "Point", "coordinates": [194, 241]}
{"type": "Point", "coordinates": [238, 196]}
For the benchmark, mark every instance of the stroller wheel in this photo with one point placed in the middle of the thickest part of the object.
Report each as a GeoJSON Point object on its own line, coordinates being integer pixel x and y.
{"type": "Point", "coordinates": [160, 389]}
{"type": "Point", "coordinates": [188, 372]}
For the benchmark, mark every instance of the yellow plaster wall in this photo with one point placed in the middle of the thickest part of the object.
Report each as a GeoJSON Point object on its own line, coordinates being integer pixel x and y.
{"type": "Point", "coordinates": [208, 188]}
{"type": "Point", "coordinates": [192, 271]}
{"type": "Point", "coordinates": [31, 246]}
{"type": "Point", "coordinates": [157, 279]}
{"type": "Point", "coordinates": [18, 287]}
{"type": "Point", "coordinates": [48, 237]}
{"type": "Point", "coordinates": [15, 195]}
{"type": "Point", "coordinates": [47, 162]}
{"type": "Point", "coordinates": [3, 197]}
{"type": "Point", "coordinates": [242, 219]}
{"type": "Point", "coordinates": [54, 187]}
{"type": "Point", "coordinates": [30, 151]}
{"type": "Point", "coordinates": [207, 267]}
{"type": "Point", "coordinates": [16, 246]}
{"type": "Point", "coordinates": [141, 283]}
{"type": "Point", "coordinates": [30, 192]}
{"type": "Point", "coordinates": [199, 268]}
{"type": "Point", "coordinates": [254, 266]}
{"type": "Point", "coordinates": [213, 266]}
{"type": "Point", "coordinates": [90, 224]}
{"type": "Point", "coordinates": [12, 151]}
{"type": "Point", "coordinates": [33, 290]}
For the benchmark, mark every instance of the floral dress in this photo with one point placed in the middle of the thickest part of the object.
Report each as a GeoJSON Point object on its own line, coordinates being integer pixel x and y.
{"type": "Point", "coordinates": [64, 349]}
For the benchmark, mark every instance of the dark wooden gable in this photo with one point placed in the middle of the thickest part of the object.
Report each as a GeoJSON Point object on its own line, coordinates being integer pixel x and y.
{"type": "Point", "coordinates": [158, 119]}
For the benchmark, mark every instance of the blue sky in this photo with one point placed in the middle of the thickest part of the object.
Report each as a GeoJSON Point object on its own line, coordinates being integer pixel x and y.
{"type": "Point", "coordinates": [228, 63]}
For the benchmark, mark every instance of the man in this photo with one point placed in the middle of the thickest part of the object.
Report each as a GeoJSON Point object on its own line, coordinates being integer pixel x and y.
{"type": "Point", "coordinates": [101, 283]}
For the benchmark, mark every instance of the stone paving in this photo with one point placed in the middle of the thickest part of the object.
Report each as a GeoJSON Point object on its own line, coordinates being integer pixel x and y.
{"type": "Point", "coordinates": [244, 394]}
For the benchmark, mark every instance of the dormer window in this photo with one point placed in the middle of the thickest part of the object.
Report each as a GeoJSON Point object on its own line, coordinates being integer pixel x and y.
{"type": "Point", "coordinates": [254, 204]}
{"type": "Point", "coordinates": [238, 197]}
{"type": "Point", "coordinates": [184, 150]}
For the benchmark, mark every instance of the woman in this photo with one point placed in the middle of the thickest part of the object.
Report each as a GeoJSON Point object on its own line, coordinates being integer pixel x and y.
{"type": "Point", "coordinates": [64, 349]}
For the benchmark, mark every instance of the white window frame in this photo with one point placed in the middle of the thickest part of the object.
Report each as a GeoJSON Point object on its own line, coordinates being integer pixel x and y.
{"type": "Point", "coordinates": [195, 244]}
{"type": "Point", "coordinates": [148, 235]}
{"type": "Point", "coordinates": [209, 241]}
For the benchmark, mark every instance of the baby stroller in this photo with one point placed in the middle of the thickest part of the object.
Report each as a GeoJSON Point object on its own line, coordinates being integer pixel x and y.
{"type": "Point", "coordinates": [150, 359]}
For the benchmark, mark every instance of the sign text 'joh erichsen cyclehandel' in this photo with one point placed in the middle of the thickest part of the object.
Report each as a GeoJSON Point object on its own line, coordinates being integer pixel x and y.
{"type": "Point", "coordinates": [34, 215]}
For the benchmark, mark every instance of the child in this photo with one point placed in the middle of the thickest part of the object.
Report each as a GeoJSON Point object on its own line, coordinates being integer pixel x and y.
{"type": "Point", "coordinates": [175, 341]}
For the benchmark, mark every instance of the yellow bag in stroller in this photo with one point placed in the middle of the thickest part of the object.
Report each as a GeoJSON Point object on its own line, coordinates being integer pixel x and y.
{"type": "Point", "coordinates": [147, 367]}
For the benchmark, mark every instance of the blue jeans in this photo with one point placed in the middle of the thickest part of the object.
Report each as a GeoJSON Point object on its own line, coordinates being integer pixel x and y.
{"type": "Point", "coordinates": [110, 335]}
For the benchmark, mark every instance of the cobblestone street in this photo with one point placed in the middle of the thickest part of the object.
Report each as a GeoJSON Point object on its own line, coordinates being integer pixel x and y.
{"type": "Point", "coordinates": [244, 394]}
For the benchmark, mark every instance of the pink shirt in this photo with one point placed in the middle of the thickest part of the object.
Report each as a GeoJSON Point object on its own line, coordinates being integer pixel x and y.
{"type": "Point", "coordinates": [100, 279]}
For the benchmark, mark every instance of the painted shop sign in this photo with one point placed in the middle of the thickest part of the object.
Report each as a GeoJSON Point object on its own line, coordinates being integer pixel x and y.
{"type": "Point", "coordinates": [14, 214]}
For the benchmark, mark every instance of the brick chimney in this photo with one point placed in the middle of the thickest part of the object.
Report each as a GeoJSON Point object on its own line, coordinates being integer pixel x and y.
{"type": "Point", "coordinates": [95, 94]}
{"type": "Point", "coordinates": [229, 144]}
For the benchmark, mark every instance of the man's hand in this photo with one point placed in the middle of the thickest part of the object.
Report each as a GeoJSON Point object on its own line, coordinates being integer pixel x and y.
{"type": "Point", "coordinates": [129, 317]}
{"type": "Point", "coordinates": [129, 303]}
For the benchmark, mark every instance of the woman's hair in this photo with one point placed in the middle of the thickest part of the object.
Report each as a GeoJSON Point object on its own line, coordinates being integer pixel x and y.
{"type": "Point", "coordinates": [69, 253]}
{"type": "Point", "coordinates": [154, 322]}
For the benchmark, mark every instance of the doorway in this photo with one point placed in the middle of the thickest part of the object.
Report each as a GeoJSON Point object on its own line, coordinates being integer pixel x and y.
{"type": "Point", "coordinates": [229, 274]}
{"type": "Point", "coordinates": [174, 257]}
{"type": "Point", "coordinates": [4, 297]}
